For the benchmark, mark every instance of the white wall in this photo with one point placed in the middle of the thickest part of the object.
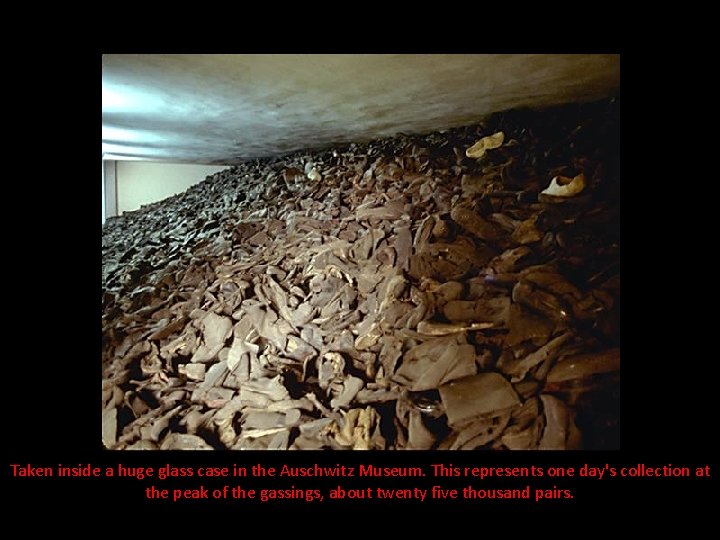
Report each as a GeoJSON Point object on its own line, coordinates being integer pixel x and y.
{"type": "Point", "coordinates": [109, 189]}
{"type": "Point", "coordinates": [103, 190]}
{"type": "Point", "coordinates": [143, 182]}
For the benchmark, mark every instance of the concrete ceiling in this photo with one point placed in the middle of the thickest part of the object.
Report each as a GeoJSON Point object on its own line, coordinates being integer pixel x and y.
{"type": "Point", "coordinates": [221, 109]}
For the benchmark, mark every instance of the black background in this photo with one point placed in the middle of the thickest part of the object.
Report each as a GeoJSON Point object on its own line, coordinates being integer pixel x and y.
{"type": "Point", "coordinates": [52, 340]}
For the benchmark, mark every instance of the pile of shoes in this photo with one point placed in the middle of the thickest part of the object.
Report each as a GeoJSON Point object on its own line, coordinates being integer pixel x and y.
{"type": "Point", "coordinates": [458, 290]}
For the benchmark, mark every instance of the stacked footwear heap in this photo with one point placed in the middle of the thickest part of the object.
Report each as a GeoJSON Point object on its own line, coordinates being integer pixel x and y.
{"type": "Point", "coordinates": [458, 290]}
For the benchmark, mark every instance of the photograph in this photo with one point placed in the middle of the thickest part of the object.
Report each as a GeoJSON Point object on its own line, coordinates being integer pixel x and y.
{"type": "Point", "coordinates": [361, 252]}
